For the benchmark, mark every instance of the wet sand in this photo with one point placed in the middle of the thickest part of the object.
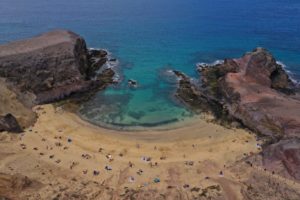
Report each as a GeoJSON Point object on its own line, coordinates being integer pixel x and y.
{"type": "Point", "coordinates": [67, 155]}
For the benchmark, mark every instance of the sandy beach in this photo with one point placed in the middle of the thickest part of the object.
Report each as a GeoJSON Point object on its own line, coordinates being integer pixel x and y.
{"type": "Point", "coordinates": [61, 148]}
{"type": "Point", "coordinates": [63, 157]}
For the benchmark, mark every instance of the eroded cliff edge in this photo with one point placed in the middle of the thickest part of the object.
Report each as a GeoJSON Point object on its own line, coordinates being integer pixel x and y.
{"type": "Point", "coordinates": [253, 91]}
{"type": "Point", "coordinates": [48, 68]}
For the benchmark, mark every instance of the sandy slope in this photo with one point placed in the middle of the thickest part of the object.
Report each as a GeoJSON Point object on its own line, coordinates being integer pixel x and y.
{"type": "Point", "coordinates": [63, 169]}
{"type": "Point", "coordinates": [10, 104]}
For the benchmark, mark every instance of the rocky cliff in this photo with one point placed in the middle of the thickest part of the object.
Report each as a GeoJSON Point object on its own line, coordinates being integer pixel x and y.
{"type": "Point", "coordinates": [50, 67]}
{"type": "Point", "coordinates": [256, 92]}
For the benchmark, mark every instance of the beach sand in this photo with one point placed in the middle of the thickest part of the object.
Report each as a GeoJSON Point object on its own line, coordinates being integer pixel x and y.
{"type": "Point", "coordinates": [65, 157]}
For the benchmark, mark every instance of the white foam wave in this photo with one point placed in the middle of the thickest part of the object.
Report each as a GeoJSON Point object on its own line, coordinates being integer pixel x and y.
{"type": "Point", "coordinates": [291, 74]}
{"type": "Point", "coordinates": [217, 62]}
{"type": "Point", "coordinates": [169, 71]}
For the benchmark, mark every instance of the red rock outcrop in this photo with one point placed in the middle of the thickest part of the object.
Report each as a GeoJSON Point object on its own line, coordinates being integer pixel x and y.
{"type": "Point", "coordinates": [265, 104]}
{"type": "Point", "coordinates": [256, 91]}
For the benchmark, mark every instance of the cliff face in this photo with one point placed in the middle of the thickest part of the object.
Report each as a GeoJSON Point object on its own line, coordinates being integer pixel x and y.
{"type": "Point", "coordinates": [255, 91]}
{"type": "Point", "coordinates": [51, 66]}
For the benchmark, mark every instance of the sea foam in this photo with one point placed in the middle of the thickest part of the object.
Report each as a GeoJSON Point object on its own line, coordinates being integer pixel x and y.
{"type": "Point", "coordinates": [291, 74]}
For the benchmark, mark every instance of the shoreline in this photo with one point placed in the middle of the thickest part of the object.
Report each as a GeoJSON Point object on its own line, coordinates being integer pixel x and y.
{"type": "Point", "coordinates": [168, 126]}
{"type": "Point", "coordinates": [63, 149]}
{"type": "Point", "coordinates": [72, 106]}
{"type": "Point", "coordinates": [144, 132]}
{"type": "Point", "coordinates": [170, 149]}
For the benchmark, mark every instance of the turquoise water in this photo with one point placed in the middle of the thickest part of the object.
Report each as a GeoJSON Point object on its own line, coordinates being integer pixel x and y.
{"type": "Point", "coordinates": [150, 37]}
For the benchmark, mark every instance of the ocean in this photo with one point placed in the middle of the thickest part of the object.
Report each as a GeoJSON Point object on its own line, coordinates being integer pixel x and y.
{"type": "Point", "coordinates": [151, 37]}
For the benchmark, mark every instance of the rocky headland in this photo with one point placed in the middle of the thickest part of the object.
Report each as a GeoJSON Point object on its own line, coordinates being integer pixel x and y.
{"type": "Point", "coordinates": [48, 68]}
{"type": "Point", "coordinates": [254, 92]}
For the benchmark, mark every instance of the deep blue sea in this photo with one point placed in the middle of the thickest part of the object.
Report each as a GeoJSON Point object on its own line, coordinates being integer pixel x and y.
{"type": "Point", "coordinates": [150, 36]}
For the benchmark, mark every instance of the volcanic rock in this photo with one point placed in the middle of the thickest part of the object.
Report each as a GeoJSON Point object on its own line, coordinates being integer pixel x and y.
{"type": "Point", "coordinates": [97, 59]}
{"type": "Point", "coordinates": [132, 83]}
{"type": "Point", "coordinates": [97, 53]}
{"type": "Point", "coordinates": [51, 66]}
{"type": "Point", "coordinates": [188, 93]}
{"type": "Point", "coordinates": [106, 76]}
{"type": "Point", "coordinates": [254, 90]}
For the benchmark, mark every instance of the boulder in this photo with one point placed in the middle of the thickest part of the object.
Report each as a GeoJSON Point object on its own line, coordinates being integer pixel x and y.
{"type": "Point", "coordinates": [10, 124]}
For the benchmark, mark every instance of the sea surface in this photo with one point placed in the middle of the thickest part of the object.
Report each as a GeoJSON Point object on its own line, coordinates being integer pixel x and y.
{"type": "Point", "coordinates": [150, 37]}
